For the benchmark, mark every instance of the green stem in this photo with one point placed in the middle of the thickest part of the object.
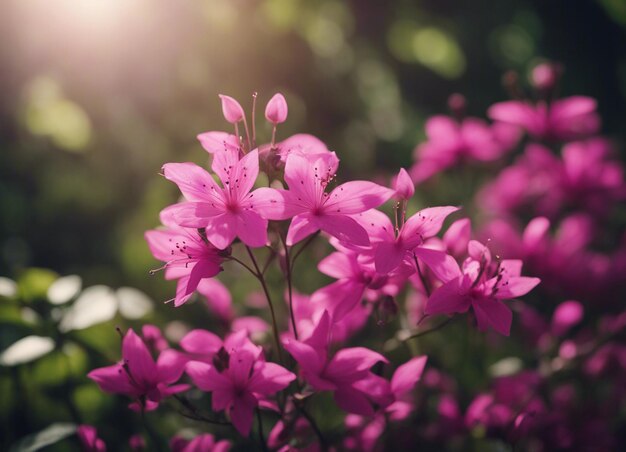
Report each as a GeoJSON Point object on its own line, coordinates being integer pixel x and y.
{"type": "Point", "coordinates": [261, 435]}
{"type": "Point", "coordinates": [261, 279]}
{"type": "Point", "coordinates": [289, 287]}
{"type": "Point", "coordinates": [431, 330]}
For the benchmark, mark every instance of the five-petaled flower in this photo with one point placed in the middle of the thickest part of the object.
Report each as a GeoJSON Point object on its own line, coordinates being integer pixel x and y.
{"type": "Point", "coordinates": [139, 376]}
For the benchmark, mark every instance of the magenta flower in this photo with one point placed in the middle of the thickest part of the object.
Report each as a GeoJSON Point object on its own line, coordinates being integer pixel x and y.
{"type": "Point", "coordinates": [355, 275]}
{"type": "Point", "coordinates": [313, 209]}
{"type": "Point", "coordinates": [229, 212]}
{"type": "Point", "coordinates": [347, 373]}
{"type": "Point", "coordinates": [139, 377]}
{"type": "Point", "coordinates": [89, 441]}
{"type": "Point", "coordinates": [187, 256]}
{"type": "Point", "coordinates": [393, 247]}
{"type": "Point", "coordinates": [564, 119]}
{"type": "Point", "coordinates": [238, 388]}
{"type": "Point", "coordinates": [450, 142]}
{"type": "Point", "coordinates": [201, 443]}
{"type": "Point", "coordinates": [478, 284]}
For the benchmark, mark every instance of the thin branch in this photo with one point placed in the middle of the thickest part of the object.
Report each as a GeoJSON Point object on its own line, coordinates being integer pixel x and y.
{"type": "Point", "coordinates": [261, 279]}
{"type": "Point", "coordinates": [289, 287]}
{"type": "Point", "coordinates": [243, 264]}
{"type": "Point", "coordinates": [302, 248]}
{"type": "Point", "coordinates": [261, 435]}
{"type": "Point", "coordinates": [430, 330]}
{"type": "Point", "coordinates": [421, 275]}
{"type": "Point", "coordinates": [315, 427]}
{"type": "Point", "coordinates": [195, 414]}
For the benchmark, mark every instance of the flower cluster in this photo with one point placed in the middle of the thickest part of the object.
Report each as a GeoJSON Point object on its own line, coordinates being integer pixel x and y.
{"type": "Point", "coordinates": [389, 264]}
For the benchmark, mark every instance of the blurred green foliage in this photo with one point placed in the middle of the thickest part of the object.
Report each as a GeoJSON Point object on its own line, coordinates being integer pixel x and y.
{"type": "Point", "coordinates": [96, 96]}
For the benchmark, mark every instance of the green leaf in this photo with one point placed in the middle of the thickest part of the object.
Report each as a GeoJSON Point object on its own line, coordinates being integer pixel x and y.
{"type": "Point", "coordinates": [50, 435]}
{"type": "Point", "coordinates": [33, 284]}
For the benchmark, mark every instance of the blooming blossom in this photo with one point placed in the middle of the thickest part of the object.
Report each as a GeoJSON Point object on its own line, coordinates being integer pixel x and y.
{"type": "Point", "coordinates": [239, 381]}
{"type": "Point", "coordinates": [347, 373]}
{"type": "Point", "coordinates": [139, 376]}
{"type": "Point", "coordinates": [188, 257]}
{"type": "Point", "coordinates": [228, 212]}
{"type": "Point", "coordinates": [392, 248]}
{"type": "Point", "coordinates": [313, 209]}
{"type": "Point", "coordinates": [477, 284]}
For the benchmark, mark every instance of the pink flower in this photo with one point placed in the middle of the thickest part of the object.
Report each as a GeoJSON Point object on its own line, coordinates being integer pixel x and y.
{"type": "Point", "coordinates": [450, 142]}
{"type": "Point", "coordinates": [478, 284]}
{"type": "Point", "coordinates": [355, 275]}
{"type": "Point", "coordinates": [394, 248]}
{"type": "Point", "coordinates": [229, 212]}
{"type": "Point", "coordinates": [201, 443]}
{"type": "Point", "coordinates": [242, 380]}
{"type": "Point", "coordinates": [365, 432]}
{"type": "Point", "coordinates": [567, 315]}
{"type": "Point", "coordinates": [564, 119]}
{"type": "Point", "coordinates": [276, 109]}
{"type": "Point", "coordinates": [218, 298]}
{"type": "Point", "coordinates": [139, 377]}
{"type": "Point", "coordinates": [137, 443]}
{"type": "Point", "coordinates": [89, 440]}
{"type": "Point", "coordinates": [313, 209]}
{"type": "Point", "coordinates": [347, 373]}
{"type": "Point", "coordinates": [233, 112]}
{"type": "Point", "coordinates": [187, 256]}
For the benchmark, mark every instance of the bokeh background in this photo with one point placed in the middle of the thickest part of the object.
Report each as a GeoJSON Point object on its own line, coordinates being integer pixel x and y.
{"type": "Point", "coordinates": [95, 95]}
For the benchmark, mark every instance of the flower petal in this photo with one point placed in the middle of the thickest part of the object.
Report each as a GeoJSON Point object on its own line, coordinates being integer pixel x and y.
{"type": "Point", "coordinates": [356, 196]}
{"type": "Point", "coordinates": [195, 183]}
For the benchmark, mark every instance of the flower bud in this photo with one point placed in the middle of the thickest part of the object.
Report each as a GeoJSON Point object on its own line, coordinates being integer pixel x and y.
{"type": "Point", "coordinates": [276, 109]}
{"type": "Point", "coordinates": [545, 76]}
{"type": "Point", "coordinates": [233, 112]}
{"type": "Point", "coordinates": [403, 185]}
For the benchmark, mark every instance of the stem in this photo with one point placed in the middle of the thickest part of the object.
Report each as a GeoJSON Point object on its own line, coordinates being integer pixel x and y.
{"type": "Point", "coordinates": [315, 427]}
{"type": "Point", "coordinates": [261, 436]}
{"type": "Point", "coordinates": [273, 136]}
{"type": "Point", "coordinates": [431, 330]}
{"type": "Point", "coordinates": [309, 240]}
{"type": "Point", "coordinates": [245, 125]}
{"type": "Point", "coordinates": [243, 264]}
{"type": "Point", "coordinates": [254, 96]}
{"type": "Point", "coordinates": [421, 275]}
{"type": "Point", "coordinates": [261, 279]}
{"type": "Point", "coordinates": [195, 414]}
{"type": "Point", "coordinates": [237, 134]}
{"type": "Point", "coordinates": [156, 443]}
{"type": "Point", "coordinates": [289, 287]}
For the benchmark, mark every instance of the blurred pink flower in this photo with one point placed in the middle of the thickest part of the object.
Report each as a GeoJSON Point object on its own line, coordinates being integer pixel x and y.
{"type": "Point", "coordinates": [451, 142]}
{"type": "Point", "coordinates": [564, 119]}
{"type": "Point", "coordinates": [201, 443]}
{"type": "Point", "coordinates": [89, 441]}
